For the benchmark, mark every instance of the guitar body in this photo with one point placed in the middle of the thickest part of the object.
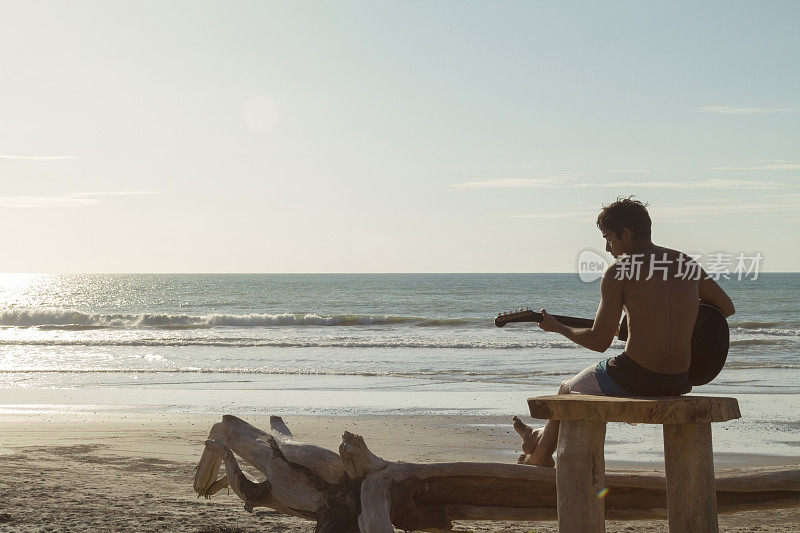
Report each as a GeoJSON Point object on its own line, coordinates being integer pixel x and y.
{"type": "Point", "coordinates": [710, 338]}
{"type": "Point", "coordinates": [710, 343]}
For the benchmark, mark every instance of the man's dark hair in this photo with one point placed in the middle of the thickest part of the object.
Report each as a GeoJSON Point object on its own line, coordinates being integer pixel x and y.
{"type": "Point", "coordinates": [626, 213]}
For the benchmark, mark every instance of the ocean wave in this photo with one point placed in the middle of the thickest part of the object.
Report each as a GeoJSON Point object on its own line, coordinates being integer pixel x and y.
{"type": "Point", "coordinates": [492, 374]}
{"type": "Point", "coordinates": [760, 342]}
{"type": "Point", "coordinates": [316, 343]}
{"type": "Point", "coordinates": [778, 332]}
{"type": "Point", "coordinates": [57, 318]}
{"type": "Point", "coordinates": [69, 327]}
{"type": "Point", "coordinates": [759, 324]}
{"type": "Point", "coordinates": [750, 365]}
{"type": "Point", "coordinates": [295, 372]}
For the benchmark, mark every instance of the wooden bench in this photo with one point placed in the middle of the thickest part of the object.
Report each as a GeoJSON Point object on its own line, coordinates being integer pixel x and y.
{"type": "Point", "coordinates": [688, 454]}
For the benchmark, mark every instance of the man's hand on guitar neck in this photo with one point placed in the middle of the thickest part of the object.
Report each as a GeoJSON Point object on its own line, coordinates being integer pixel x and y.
{"type": "Point", "coordinates": [606, 322]}
{"type": "Point", "coordinates": [549, 323]}
{"type": "Point", "coordinates": [586, 337]}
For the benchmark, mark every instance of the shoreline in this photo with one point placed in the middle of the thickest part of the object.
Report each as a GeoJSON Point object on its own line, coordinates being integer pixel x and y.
{"type": "Point", "coordinates": [768, 425]}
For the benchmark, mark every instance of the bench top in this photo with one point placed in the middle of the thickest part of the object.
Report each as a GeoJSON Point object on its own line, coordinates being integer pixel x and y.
{"type": "Point", "coordinates": [665, 410]}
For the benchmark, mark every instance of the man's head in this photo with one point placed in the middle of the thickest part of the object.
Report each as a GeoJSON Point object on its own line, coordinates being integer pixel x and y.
{"type": "Point", "coordinates": [624, 224]}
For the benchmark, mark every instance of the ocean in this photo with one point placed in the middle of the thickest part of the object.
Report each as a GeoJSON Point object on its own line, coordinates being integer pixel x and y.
{"type": "Point", "coordinates": [353, 344]}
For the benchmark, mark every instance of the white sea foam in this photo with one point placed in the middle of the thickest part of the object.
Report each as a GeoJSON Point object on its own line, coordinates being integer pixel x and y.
{"type": "Point", "coordinates": [310, 343]}
{"type": "Point", "coordinates": [762, 342]}
{"type": "Point", "coordinates": [747, 365]}
{"type": "Point", "coordinates": [57, 318]}
{"type": "Point", "coordinates": [779, 332]}
{"type": "Point", "coordinates": [467, 374]}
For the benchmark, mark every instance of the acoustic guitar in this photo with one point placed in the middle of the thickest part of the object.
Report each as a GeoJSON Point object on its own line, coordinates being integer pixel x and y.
{"type": "Point", "coordinates": [710, 338]}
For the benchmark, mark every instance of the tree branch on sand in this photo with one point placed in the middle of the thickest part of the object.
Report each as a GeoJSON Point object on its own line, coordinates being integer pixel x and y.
{"type": "Point", "coordinates": [355, 490]}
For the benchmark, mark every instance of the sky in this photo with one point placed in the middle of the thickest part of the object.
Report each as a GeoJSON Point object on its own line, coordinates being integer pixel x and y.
{"type": "Point", "coordinates": [392, 136]}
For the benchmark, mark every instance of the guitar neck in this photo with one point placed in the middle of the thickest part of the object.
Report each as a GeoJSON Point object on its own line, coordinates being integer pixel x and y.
{"type": "Point", "coordinates": [533, 316]}
{"type": "Point", "coordinates": [570, 321]}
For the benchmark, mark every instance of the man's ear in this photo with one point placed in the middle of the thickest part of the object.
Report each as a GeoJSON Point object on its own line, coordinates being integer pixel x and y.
{"type": "Point", "coordinates": [626, 235]}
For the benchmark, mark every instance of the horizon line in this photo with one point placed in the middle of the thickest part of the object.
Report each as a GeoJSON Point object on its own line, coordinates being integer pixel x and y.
{"type": "Point", "coordinates": [329, 273]}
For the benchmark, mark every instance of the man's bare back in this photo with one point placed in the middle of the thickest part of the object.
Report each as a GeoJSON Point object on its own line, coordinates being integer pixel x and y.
{"type": "Point", "coordinates": [661, 311]}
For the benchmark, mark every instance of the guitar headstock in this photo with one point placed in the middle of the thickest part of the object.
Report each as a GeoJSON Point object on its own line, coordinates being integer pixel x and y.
{"type": "Point", "coordinates": [519, 315]}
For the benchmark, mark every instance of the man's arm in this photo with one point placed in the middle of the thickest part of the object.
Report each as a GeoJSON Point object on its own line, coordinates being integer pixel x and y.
{"type": "Point", "coordinates": [711, 293]}
{"type": "Point", "coordinates": [606, 322]}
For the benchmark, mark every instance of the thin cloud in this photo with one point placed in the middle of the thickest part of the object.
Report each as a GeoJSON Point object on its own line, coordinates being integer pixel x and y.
{"type": "Point", "coordinates": [577, 215]}
{"type": "Point", "coordinates": [732, 110]}
{"type": "Point", "coordinates": [562, 182]}
{"type": "Point", "coordinates": [784, 196]}
{"type": "Point", "coordinates": [79, 199]}
{"type": "Point", "coordinates": [114, 193]}
{"type": "Point", "coordinates": [36, 202]}
{"type": "Point", "coordinates": [38, 157]}
{"type": "Point", "coordinates": [684, 212]}
{"type": "Point", "coordinates": [680, 211]}
{"type": "Point", "coordinates": [270, 148]}
{"type": "Point", "coordinates": [764, 210]}
{"type": "Point", "coordinates": [627, 171]}
{"type": "Point", "coordinates": [770, 166]}
{"type": "Point", "coordinates": [713, 183]}
{"type": "Point", "coordinates": [508, 183]}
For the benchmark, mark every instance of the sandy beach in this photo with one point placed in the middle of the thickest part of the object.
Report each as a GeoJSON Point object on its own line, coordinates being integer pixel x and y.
{"type": "Point", "coordinates": [134, 472]}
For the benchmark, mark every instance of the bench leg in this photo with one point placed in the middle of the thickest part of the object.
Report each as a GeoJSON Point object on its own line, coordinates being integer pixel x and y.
{"type": "Point", "coordinates": [691, 490]}
{"type": "Point", "coordinates": [580, 476]}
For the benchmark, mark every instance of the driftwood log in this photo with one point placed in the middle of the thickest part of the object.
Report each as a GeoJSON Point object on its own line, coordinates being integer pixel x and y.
{"type": "Point", "coordinates": [355, 490]}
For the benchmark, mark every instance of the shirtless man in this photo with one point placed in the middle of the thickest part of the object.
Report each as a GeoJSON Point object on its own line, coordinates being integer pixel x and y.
{"type": "Point", "coordinates": [659, 289]}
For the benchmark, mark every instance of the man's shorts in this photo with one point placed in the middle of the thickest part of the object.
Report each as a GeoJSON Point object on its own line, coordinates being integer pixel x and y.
{"type": "Point", "coordinates": [595, 379]}
{"type": "Point", "coordinates": [622, 376]}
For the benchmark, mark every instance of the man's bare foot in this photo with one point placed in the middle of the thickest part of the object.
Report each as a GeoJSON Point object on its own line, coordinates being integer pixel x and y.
{"type": "Point", "coordinates": [528, 459]}
{"type": "Point", "coordinates": [547, 460]}
{"type": "Point", "coordinates": [530, 436]}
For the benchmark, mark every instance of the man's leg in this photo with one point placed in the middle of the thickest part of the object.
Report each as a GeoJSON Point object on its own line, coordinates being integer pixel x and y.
{"type": "Point", "coordinates": [539, 445]}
